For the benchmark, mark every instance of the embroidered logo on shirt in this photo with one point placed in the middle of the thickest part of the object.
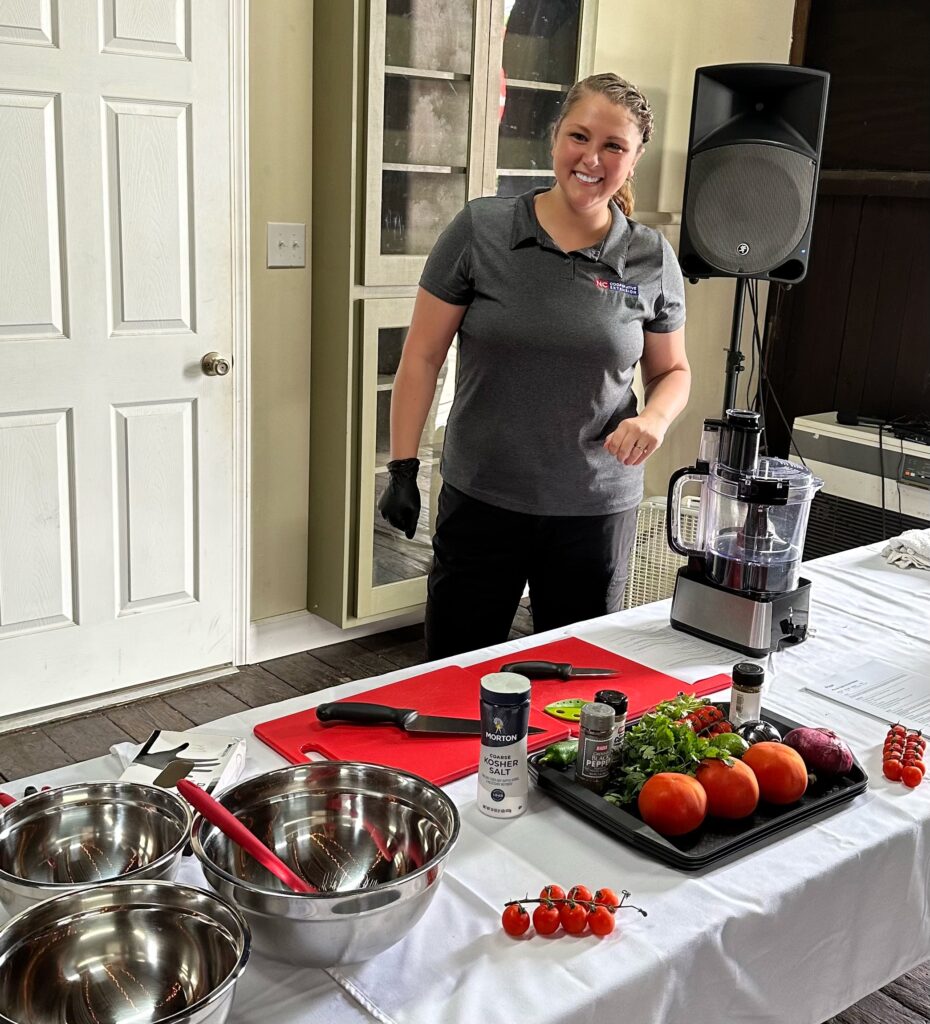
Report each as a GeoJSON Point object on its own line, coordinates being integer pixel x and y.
{"type": "Point", "coordinates": [617, 286]}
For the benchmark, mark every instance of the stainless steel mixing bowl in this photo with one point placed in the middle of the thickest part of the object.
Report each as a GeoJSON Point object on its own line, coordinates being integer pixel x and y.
{"type": "Point", "coordinates": [123, 952]}
{"type": "Point", "coordinates": [373, 839]}
{"type": "Point", "coordinates": [63, 839]}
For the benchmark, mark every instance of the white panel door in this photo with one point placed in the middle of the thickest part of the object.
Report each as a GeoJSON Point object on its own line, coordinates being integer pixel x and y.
{"type": "Point", "coordinates": [116, 485]}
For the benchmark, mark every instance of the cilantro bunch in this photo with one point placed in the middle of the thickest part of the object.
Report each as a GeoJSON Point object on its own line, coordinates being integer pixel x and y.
{"type": "Point", "coordinates": [660, 742]}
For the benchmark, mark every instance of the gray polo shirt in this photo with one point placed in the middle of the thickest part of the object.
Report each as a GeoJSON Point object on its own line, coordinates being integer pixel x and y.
{"type": "Point", "coordinates": [547, 349]}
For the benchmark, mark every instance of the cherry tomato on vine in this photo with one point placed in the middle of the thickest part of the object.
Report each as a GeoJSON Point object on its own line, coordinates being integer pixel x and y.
{"type": "Point", "coordinates": [602, 920]}
{"type": "Point", "coordinates": [581, 893]}
{"type": "Point", "coordinates": [546, 918]}
{"type": "Point", "coordinates": [892, 770]}
{"type": "Point", "coordinates": [574, 917]}
{"type": "Point", "coordinates": [911, 776]}
{"type": "Point", "coordinates": [552, 892]}
{"type": "Point", "coordinates": [515, 919]}
{"type": "Point", "coordinates": [606, 898]}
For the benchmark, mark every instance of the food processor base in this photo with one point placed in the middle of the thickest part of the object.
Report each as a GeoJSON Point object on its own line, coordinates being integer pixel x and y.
{"type": "Point", "coordinates": [749, 623]}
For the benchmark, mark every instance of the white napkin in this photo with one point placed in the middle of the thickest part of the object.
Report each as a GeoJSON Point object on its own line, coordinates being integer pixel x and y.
{"type": "Point", "coordinates": [229, 753]}
{"type": "Point", "coordinates": [910, 550]}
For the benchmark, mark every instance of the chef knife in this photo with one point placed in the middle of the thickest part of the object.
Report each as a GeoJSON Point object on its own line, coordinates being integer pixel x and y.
{"type": "Point", "coordinates": [555, 670]}
{"type": "Point", "coordinates": [408, 719]}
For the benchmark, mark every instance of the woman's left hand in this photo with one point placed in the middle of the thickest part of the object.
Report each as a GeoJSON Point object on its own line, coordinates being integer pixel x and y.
{"type": "Point", "coordinates": [637, 438]}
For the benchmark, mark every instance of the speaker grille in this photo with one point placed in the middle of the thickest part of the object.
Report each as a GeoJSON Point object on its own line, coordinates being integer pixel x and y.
{"type": "Point", "coordinates": [748, 205]}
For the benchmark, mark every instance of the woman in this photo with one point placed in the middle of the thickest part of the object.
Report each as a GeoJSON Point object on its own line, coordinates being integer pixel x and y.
{"type": "Point", "coordinates": [555, 295]}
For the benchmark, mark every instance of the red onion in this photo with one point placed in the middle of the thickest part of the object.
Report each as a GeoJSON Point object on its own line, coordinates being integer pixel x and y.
{"type": "Point", "coordinates": [822, 750]}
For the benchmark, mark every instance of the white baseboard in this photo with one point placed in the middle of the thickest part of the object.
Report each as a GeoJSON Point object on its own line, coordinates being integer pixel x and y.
{"type": "Point", "coordinates": [295, 632]}
{"type": "Point", "coordinates": [110, 699]}
{"type": "Point", "coordinates": [271, 638]}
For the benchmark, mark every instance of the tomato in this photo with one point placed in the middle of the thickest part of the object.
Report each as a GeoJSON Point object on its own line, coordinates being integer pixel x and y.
{"type": "Point", "coordinates": [515, 919]}
{"type": "Point", "coordinates": [546, 918]}
{"type": "Point", "coordinates": [671, 803]}
{"type": "Point", "coordinates": [602, 920]}
{"type": "Point", "coordinates": [574, 917]}
{"type": "Point", "coordinates": [606, 898]}
{"type": "Point", "coordinates": [732, 789]}
{"type": "Point", "coordinates": [897, 730]}
{"type": "Point", "coordinates": [911, 776]}
{"type": "Point", "coordinates": [552, 892]}
{"type": "Point", "coordinates": [581, 893]}
{"type": "Point", "coordinates": [780, 771]}
{"type": "Point", "coordinates": [893, 770]}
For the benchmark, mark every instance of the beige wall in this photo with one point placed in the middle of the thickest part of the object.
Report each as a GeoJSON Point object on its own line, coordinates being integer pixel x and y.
{"type": "Point", "coordinates": [658, 45]}
{"type": "Point", "coordinates": [280, 67]}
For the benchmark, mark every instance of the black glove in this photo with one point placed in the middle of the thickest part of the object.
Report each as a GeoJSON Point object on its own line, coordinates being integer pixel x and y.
{"type": "Point", "coordinates": [400, 503]}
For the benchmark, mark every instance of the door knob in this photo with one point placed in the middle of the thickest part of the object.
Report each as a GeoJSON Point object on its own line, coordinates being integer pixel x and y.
{"type": "Point", "coordinates": [215, 365]}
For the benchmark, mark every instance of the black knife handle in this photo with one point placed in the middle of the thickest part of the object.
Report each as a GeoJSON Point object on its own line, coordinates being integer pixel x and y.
{"type": "Point", "coordinates": [540, 669]}
{"type": "Point", "coordinates": [363, 714]}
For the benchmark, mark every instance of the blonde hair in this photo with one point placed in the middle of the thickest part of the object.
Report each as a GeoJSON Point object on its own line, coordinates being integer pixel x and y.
{"type": "Point", "coordinates": [624, 94]}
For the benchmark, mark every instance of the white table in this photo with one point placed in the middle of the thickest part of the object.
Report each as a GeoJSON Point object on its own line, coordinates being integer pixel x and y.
{"type": "Point", "coordinates": [790, 933]}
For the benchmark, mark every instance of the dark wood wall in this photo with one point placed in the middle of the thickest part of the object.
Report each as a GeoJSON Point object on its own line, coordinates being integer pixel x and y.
{"type": "Point", "coordinates": [855, 334]}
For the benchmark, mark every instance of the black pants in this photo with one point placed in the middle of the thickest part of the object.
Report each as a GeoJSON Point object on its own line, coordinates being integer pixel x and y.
{"type": "Point", "coordinates": [483, 557]}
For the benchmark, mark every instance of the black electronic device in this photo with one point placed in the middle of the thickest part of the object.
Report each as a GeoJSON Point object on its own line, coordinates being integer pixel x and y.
{"type": "Point", "coordinates": [904, 428]}
{"type": "Point", "coordinates": [753, 164]}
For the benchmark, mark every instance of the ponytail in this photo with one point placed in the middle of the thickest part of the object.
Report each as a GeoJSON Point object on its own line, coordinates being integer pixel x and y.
{"type": "Point", "coordinates": [623, 197]}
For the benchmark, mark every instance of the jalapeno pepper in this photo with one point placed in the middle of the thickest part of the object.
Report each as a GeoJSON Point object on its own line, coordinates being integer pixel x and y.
{"type": "Point", "coordinates": [561, 754]}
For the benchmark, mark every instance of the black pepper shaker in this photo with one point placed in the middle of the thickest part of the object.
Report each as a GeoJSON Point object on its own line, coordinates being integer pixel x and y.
{"type": "Point", "coordinates": [595, 740]}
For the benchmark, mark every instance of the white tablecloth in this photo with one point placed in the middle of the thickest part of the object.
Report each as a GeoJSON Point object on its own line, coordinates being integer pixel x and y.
{"type": "Point", "coordinates": [790, 933]}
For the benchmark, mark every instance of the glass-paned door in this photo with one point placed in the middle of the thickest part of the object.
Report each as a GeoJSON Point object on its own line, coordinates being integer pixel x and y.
{"type": "Point", "coordinates": [540, 45]}
{"type": "Point", "coordinates": [427, 90]}
{"type": "Point", "coordinates": [392, 569]}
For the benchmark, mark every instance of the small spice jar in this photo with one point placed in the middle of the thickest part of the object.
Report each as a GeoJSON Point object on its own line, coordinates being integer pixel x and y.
{"type": "Point", "coordinates": [619, 702]}
{"type": "Point", "coordinates": [746, 693]}
{"type": "Point", "coordinates": [595, 742]}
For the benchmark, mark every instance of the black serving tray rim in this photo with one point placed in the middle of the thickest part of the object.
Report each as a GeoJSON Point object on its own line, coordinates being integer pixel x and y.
{"type": "Point", "coordinates": [627, 827]}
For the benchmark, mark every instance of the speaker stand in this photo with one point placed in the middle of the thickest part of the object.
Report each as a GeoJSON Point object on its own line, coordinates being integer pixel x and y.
{"type": "Point", "coordinates": [734, 356]}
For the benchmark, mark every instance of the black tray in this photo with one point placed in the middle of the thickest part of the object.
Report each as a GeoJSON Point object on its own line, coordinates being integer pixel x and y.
{"type": "Point", "coordinates": [716, 841]}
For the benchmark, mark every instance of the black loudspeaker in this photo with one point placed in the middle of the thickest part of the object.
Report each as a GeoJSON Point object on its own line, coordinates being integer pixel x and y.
{"type": "Point", "coordinates": [753, 164]}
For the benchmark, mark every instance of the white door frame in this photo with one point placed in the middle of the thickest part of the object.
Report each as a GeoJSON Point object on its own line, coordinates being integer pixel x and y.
{"type": "Point", "coordinates": [241, 327]}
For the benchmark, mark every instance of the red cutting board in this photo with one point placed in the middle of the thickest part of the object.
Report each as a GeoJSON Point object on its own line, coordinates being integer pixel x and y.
{"type": "Point", "coordinates": [445, 691]}
{"type": "Point", "coordinates": [644, 687]}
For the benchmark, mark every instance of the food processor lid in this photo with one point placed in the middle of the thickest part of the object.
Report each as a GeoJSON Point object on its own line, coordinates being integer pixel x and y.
{"type": "Point", "coordinates": [802, 484]}
{"type": "Point", "coordinates": [791, 482]}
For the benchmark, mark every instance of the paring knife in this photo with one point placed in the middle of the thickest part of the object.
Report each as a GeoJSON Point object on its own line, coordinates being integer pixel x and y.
{"type": "Point", "coordinates": [555, 670]}
{"type": "Point", "coordinates": [408, 719]}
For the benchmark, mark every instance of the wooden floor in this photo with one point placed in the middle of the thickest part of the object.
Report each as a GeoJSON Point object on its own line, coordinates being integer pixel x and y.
{"type": "Point", "coordinates": [30, 751]}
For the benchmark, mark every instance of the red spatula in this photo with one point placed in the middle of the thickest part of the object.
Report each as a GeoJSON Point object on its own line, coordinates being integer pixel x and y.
{"type": "Point", "coordinates": [231, 826]}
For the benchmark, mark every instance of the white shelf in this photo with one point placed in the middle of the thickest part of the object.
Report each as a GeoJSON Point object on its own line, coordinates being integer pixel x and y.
{"type": "Point", "coordinates": [526, 172]}
{"type": "Point", "coordinates": [522, 83]}
{"type": "Point", "coordinates": [423, 169]}
{"type": "Point", "coordinates": [439, 76]}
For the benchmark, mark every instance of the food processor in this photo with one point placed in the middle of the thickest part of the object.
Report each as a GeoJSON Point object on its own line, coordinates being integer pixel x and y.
{"type": "Point", "coordinates": [742, 586]}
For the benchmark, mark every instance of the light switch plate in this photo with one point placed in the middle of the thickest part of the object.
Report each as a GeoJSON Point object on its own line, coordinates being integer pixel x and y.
{"type": "Point", "coordinates": [287, 245]}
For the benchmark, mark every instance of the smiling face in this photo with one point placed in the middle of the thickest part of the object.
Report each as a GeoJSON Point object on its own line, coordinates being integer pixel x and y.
{"type": "Point", "coordinates": [596, 147]}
